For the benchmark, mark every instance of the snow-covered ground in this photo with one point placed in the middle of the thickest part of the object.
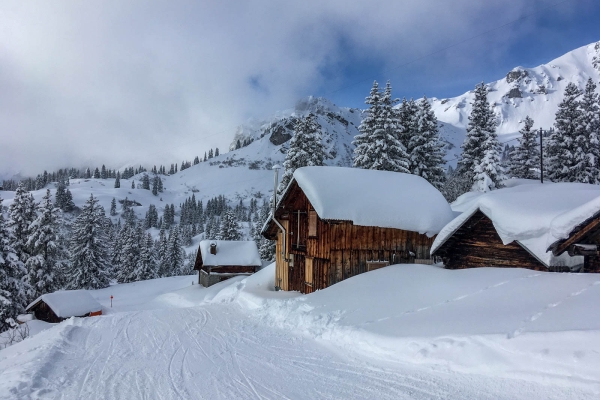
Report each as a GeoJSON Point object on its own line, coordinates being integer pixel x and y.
{"type": "Point", "coordinates": [405, 331]}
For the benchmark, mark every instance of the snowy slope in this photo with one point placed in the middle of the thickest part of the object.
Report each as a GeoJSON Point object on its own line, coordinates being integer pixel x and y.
{"type": "Point", "coordinates": [401, 332]}
{"type": "Point", "coordinates": [524, 91]}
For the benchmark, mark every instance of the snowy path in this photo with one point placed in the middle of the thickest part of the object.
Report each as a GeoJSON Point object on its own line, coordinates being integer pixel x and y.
{"type": "Point", "coordinates": [219, 352]}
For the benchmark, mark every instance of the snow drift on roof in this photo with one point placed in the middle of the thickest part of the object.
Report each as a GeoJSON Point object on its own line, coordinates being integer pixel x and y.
{"type": "Point", "coordinates": [375, 198]}
{"type": "Point", "coordinates": [69, 303]}
{"type": "Point", "coordinates": [564, 224]}
{"type": "Point", "coordinates": [526, 213]}
{"type": "Point", "coordinates": [230, 252]}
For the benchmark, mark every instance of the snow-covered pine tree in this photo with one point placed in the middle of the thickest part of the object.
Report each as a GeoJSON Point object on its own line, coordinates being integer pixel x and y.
{"type": "Point", "coordinates": [89, 248]}
{"type": "Point", "coordinates": [425, 148]}
{"type": "Point", "coordinates": [562, 144]}
{"type": "Point", "coordinates": [131, 235]}
{"type": "Point", "coordinates": [68, 205]}
{"type": "Point", "coordinates": [525, 158]}
{"type": "Point", "coordinates": [13, 290]}
{"type": "Point", "coordinates": [118, 180]}
{"type": "Point", "coordinates": [21, 214]}
{"type": "Point", "coordinates": [46, 253]}
{"type": "Point", "coordinates": [151, 219]}
{"type": "Point", "coordinates": [407, 113]}
{"type": "Point", "coordinates": [146, 267]}
{"type": "Point", "coordinates": [162, 254]}
{"type": "Point", "coordinates": [230, 228]}
{"type": "Point", "coordinates": [113, 207]}
{"type": "Point", "coordinates": [587, 154]}
{"type": "Point", "coordinates": [176, 254]}
{"type": "Point", "coordinates": [480, 158]}
{"type": "Point", "coordinates": [146, 182]}
{"type": "Point", "coordinates": [306, 149]}
{"type": "Point", "coordinates": [377, 145]}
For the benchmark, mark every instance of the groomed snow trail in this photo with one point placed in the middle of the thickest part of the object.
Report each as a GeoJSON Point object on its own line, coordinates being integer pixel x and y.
{"type": "Point", "coordinates": [218, 352]}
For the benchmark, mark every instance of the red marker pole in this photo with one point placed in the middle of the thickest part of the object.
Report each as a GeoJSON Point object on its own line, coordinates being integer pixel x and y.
{"type": "Point", "coordinates": [111, 301]}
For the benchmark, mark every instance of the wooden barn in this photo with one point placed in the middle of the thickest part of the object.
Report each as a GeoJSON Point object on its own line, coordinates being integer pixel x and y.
{"type": "Point", "coordinates": [58, 306]}
{"type": "Point", "coordinates": [474, 242]}
{"type": "Point", "coordinates": [333, 223]}
{"type": "Point", "coordinates": [512, 227]}
{"type": "Point", "coordinates": [218, 260]}
{"type": "Point", "coordinates": [580, 231]}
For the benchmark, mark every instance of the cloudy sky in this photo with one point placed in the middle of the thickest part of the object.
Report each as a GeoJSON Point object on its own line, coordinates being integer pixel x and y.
{"type": "Point", "coordinates": [113, 82]}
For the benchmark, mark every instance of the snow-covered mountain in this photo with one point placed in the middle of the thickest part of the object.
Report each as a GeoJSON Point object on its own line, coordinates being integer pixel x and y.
{"type": "Point", "coordinates": [536, 92]}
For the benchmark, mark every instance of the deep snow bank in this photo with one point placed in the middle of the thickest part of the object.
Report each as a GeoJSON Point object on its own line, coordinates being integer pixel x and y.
{"type": "Point", "coordinates": [489, 320]}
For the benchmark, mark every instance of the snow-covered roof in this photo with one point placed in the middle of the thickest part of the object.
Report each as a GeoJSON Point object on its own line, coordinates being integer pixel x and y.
{"type": "Point", "coordinates": [563, 225]}
{"type": "Point", "coordinates": [531, 214]}
{"type": "Point", "coordinates": [69, 303]}
{"type": "Point", "coordinates": [375, 198]}
{"type": "Point", "coordinates": [230, 252]}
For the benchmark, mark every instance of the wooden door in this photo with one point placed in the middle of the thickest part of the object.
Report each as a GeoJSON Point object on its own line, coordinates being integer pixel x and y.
{"type": "Point", "coordinates": [308, 275]}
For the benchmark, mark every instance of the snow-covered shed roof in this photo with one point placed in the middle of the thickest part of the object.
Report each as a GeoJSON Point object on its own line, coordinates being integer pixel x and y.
{"type": "Point", "coordinates": [68, 303]}
{"type": "Point", "coordinates": [230, 252]}
{"type": "Point", "coordinates": [374, 198]}
{"type": "Point", "coordinates": [531, 214]}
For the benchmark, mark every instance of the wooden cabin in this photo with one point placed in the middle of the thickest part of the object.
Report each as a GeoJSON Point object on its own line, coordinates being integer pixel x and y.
{"type": "Point", "coordinates": [582, 240]}
{"type": "Point", "coordinates": [58, 306]}
{"type": "Point", "coordinates": [218, 260]}
{"type": "Point", "coordinates": [474, 242]}
{"type": "Point", "coordinates": [341, 222]}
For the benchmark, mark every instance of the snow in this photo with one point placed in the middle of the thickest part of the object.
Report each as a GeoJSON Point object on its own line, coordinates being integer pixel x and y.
{"type": "Point", "coordinates": [230, 252]}
{"type": "Point", "coordinates": [69, 303]}
{"type": "Point", "coordinates": [529, 213]}
{"type": "Point", "coordinates": [401, 332]}
{"type": "Point", "coordinates": [375, 198]}
{"type": "Point", "coordinates": [564, 224]}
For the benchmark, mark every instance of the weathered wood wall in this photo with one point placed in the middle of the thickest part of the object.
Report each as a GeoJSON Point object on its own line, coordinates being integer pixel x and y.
{"type": "Point", "coordinates": [477, 244]}
{"type": "Point", "coordinates": [44, 313]}
{"type": "Point", "coordinates": [591, 264]}
{"type": "Point", "coordinates": [339, 250]}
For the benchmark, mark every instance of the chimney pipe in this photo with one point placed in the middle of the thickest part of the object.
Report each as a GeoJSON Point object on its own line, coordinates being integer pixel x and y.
{"type": "Point", "coordinates": [213, 248]}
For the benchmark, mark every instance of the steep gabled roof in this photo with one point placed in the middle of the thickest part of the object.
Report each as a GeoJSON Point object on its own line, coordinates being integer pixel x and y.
{"type": "Point", "coordinates": [373, 198]}
{"type": "Point", "coordinates": [530, 214]}
{"type": "Point", "coordinates": [68, 303]}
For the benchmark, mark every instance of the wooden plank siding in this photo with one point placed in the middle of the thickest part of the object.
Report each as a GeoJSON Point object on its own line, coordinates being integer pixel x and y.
{"type": "Point", "coordinates": [477, 244]}
{"type": "Point", "coordinates": [335, 250]}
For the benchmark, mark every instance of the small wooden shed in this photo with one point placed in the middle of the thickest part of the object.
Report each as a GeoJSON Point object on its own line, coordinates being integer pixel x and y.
{"type": "Point", "coordinates": [333, 223]}
{"type": "Point", "coordinates": [512, 227]}
{"type": "Point", "coordinates": [580, 231]}
{"type": "Point", "coordinates": [474, 242]}
{"type": "Point", "coordinates": [218, 260]}
{"type": "Point", "coordinates": [58, 306]}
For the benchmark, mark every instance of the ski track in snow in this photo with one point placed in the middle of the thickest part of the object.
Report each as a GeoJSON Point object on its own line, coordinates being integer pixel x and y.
{"type": "Point", "coordinates": [217, 352]}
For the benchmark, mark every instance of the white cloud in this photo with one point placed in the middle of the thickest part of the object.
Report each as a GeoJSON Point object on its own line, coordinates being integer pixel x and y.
{"type": "Point", "coordinates": [155, 82]}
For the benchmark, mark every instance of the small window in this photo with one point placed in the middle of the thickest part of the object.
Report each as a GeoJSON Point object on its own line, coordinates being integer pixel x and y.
{"type": "Point", "coordinates": [312, 223]}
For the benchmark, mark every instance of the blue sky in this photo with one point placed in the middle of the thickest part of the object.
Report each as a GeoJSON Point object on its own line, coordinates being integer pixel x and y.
{"type": "Point", "coordinates": [120, 83]}
{"type": "Point", "coordinates": [540, 38]}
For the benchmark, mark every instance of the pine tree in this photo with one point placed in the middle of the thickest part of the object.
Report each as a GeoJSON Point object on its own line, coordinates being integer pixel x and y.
{"type": "Point", "coordinates": [481, 150]}
{"type": "Point", "coordinates": [176, 254]}
{"type": "Point", "coordinates": [89, 248]}
{"type": "Point", "coordinates": [563, 141]}
{"type": "Point", "coordinates": [103, 174]}
{"type": "Point", "coordinates": [425, 149]}
{"type": "Point", "coordinates": [230, 228]}
{"type": "Point", "coordinates": [146, 182]}
{"type": "Point", "coordinates": [216, 151]}
{"type": "Point", "coordinates": [587, 155]}
{"type": "Point", "coordinates": [13, 290]}
{"type": "Point", "coordinates": [118, 180]}
{"type": "Point", "coordinates": [163, 254]}
{"type": "Point", "coordinates": [69, 205]}
{"type": "Point", "coordinates": [525, 158]}
{"type": "Point", "coordinates": [377, 145]}
{"type": "Point", "coordinates": [113, 207]}
{"type": "Point", "coordinates": [155, 181]}
{"type": "Point", "coordinates": [46, 252]}
{"type": "Point", "coordinates": [96, 173]}
{"type": "Point", "coordinates": [306, 149]}
{"type": "Point", "coordinates": [130, 253]}
{"type": "Point", "coordinates": [210, 153]}
{"type": "Point", "coordinates": [21, 215]}
{"type": "Point", "coordinates": [151, 220]}
{"type": "Point", "coordinates": [147, 267]}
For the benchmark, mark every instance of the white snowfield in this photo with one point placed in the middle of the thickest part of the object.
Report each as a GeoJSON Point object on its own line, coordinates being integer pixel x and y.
{"type": "Point", "coordinates": [230, 252]}
{"type": "Point", "coordinates": [533, 214]}
{"type": "Point", "coordinates": [375, 198]}
{"type": "Point", "coordinates": [401, 332]}
{"type": "Point", "coordinates": [69, 303]}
